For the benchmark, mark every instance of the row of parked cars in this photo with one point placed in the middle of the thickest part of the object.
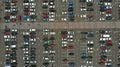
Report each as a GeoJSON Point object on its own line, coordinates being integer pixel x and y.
{"type": "Point", "coordinates": [118, 42]}
{"type": "Point", "coordinates": [29, 49]}
{"type": "Point", "coordinates": [67, 41]}
{"type": "Point", "coordinates": [119, 11]}
{"type": "Point", "coordinates": [29, 10]}
{"type": "Point", "coordinates": [105, 43]}
{"type": "Point", "coordinates": [87, 10]}
{"type": "Point", "coordinates": [87, 56]}
{"type": "Point", "coordinates": [105, 10]}
{"type": "Point", "coordinates": [48, 13]}
{"type": "Point", "coordinates": [10, 47]}
{"type": "Point", "coordinates": [49, 47]}
{"type": "Point", "coordinates": [11, 11]}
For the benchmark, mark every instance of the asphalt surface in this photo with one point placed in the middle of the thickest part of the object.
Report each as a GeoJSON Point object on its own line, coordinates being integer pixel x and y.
{"type": "Point", "coordinates": [60, 6]}
{"type": "Point", "coordinates": [79, 47]}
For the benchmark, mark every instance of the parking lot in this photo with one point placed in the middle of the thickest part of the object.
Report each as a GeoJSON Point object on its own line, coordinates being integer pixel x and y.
{"type": "Point", "coordinates": [59, 11]}
{"type": "Point", "coordinates": [81, 49]}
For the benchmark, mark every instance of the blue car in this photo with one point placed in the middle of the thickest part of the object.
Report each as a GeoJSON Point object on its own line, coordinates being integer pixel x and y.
{"type": "Point", "coordinates": [45, 19]}
{"type": "Point", "coordinates": [70, 3]}
{"type": "Point", "coordinates": [26, 39]}
{"type": "Point", "coordinates": [25, 17]}
{"type": "Point", "coordinates": [70, 13]}
{"type": "Point", "coordinates": [71, 64]}
{"type": "Point", "coordinates": [26, 46]}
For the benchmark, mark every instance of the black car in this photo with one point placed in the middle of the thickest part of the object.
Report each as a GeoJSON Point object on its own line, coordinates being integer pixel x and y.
{"type": "Point", "coordinates": [90, 9]}
{"type": "Point", "coordinates": [71, 53]}
{"type": "Point", "coordinates": [109, 18]}
{"type": "Point", "coordinates": [46, 63]}
{"type": "Point", "coordinates": [82, 0]}
{"type": "Point", "coordinates": [44, 6]}
{"type": "Point", "coordinates": [52, 10]}
{"type": "Point", "coordinates": [89, 4]}
{"type": "Point", "coordinates": [70, 9]}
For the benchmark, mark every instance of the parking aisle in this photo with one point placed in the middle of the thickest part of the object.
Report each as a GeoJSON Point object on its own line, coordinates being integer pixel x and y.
{"type": "Point", "coordinates": [39, 48]}
{"type": "Point", "coordinates": [20, 47]}
{"type": "Point", "coordinates": [2, 48]}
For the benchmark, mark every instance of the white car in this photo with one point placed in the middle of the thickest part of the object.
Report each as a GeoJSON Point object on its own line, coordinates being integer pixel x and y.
{"type": "Point", "coordinates": [13, 46]}
{"type": "Point", "coordinates": [7, 39]}
{"type": "Point", "coordinates": [70, 40]}
{"type": "Point", "coordinates": [64, 42]}
{"type": "Point", "coordinates": [51, 13]}
{"type": "Point", "coordinates": [12, 17]}
{"type": "Point", "coordinates": [46, 58]}
{"type": "Point", "coordinates": [105, 35]}
{"type": "Point", "coordinates": [6, 10]}
{"type": "Point", "coordinates": [15, 30]}
{"type": "Point", "coordinates": [64, 19]}
{"type": "Point", "coordinates": [52, 33]}
{"type": "Point", "coordinates": [63, 45]}
{"type": "Point", "coordinates": [64, 12]}
{"type": "Point", "coordinates": [89, 0]}
{"type": "Point", "coordinates": [51, 19]}
{"type": "Point", "coordinates": [31, 0]}
{"type": "Point", "coordinates": [109, 14]}
{"type": "Point", "coordinates": [51, 16]}
{"type": "Point", "coordinates": [32, 10]}
{"type": "Point", "coordinates": [83, 16]}
{"type": "Point", "coordinates": [52, 61]}
{"type": "Point", "coordinates": [26, 4]}
{"type": "Point", "coordinates": [44, 3]}
{"type": "Point", "coordinates": [25, 33]}
{"type": "Point", "coordinates": [52, 6]}
{"type": "Point", "coordinates": [64, 1]}
{"type": "Point", "coordinates": [26, 52]}
{"type": "Point", "coordinates": [70, 36]}
{"type": "Point", "coordinates": [6, 36]}
{"type": "Point", "coordinates": [52, 51]}
{"type": "Point", "coordinates": [64, 39]}
{"type": "Point", "coordinates": [33, 62]}
{"type": "Point", "coordinates": [33, 4]}
{"type": "Point", "coordinates": [69, 32]}
{"type": "Point", "coordinates": [107, 3]}
{"type": "Point", "coordinates": [45, 52]}
{"type": "Point", "coordinates": [83, 9]}
{"type": "Point", "coordinates": [102, 19]}
{"type": "Point", "coordinates": [33, 39]}
{"type": "Point", "coordinates": [101, 13]}
{"type": "Point", "coordinates": [32, 30]}
{"type": "Point", "coordinates": [45, 30]}
{"type": "Point", "coordinates": [90, 42]}
{"type": "Point", "coordinates": [13, 36]}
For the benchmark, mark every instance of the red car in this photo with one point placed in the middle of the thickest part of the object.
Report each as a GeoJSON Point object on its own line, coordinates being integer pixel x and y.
{"type": "Point", "coordinates": [45, 13]}
{"type": "Point", "coordinates": [26, 13]}
{"type": "Point", "coordinates": [45, 0]}
{"type": "Point", "coordinates": [52, 44]}
{"type": "Point", "coordinates": [7, 13]}
{"type": "Point", "coordinates": [103, 47]}
{"type": "Point", "coordinates": [70, 47]}
{"type": "Point", "coordinates": [13, 20]}
{"type": "Point", "coordinates": [108, 41]}
{"type": "Point", "coordinates": [65, 47]}
{"type": "Point", "coordinates": [14, 1]}
{"type": "Point", "coordinates": [7, 33]}
{"type": "Point", "coordinates": [45, 16]}
{"type": "Point", "coordinates": [65, 60]}
{"type": "Point", "coordinates": [108, 11]}
{"type": "Point", "coordinates": [19, 18]}
{"type": "Point", "coordinates": [8, 52]}
{"type": "Point", "coordinates": [64, 35]}
{"type": "Point", "coordinates": [32, 36]}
